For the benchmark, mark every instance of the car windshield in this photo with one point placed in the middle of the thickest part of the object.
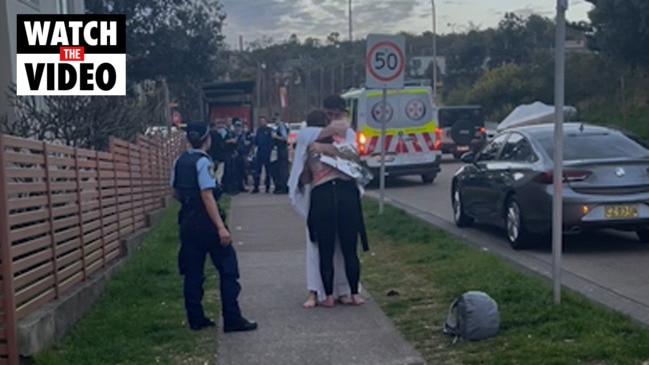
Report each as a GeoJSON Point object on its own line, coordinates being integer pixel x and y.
{"type": "Point", "coordinates": [587, 146]}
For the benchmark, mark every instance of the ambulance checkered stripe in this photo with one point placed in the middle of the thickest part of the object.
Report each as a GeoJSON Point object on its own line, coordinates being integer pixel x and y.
{"type": "Point", "coordinates": [407, 143]}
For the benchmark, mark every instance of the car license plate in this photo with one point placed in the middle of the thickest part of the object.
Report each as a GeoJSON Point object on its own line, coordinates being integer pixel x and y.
{"type": "Point", "coordinates": [462, 148]}
{"type": "Point", "coordinates": [621, 211]}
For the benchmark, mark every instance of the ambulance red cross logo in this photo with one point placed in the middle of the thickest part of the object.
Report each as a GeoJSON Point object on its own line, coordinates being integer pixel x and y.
{"type": "Point", "coordinates": [75, 54]}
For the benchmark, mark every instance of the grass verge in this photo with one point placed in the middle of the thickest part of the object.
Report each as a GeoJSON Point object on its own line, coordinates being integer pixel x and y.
{"type": "Point", "coordinates": [140, 319]}
{"type": "Point", "coordinates": [428, 267]}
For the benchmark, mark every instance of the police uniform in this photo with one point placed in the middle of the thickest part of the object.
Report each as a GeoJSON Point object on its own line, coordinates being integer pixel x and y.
{"type": "Point", "coordinates": [193, 172]}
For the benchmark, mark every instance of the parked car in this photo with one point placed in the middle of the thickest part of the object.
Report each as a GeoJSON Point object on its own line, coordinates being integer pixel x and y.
{"type": "Point", "coordinates": [509, 183]}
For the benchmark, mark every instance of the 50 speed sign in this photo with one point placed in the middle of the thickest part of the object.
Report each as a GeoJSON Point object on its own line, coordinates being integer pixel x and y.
{"type": "Point", "coordinates": [384, 61]}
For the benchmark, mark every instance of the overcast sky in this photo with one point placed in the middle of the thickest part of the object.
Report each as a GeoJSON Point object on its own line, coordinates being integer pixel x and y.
{"type": "Point", "coordinates": [317, 18]}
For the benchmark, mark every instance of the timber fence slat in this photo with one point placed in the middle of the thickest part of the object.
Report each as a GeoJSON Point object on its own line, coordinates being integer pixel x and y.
{"type": "Point", "coordinates": [65, 213]}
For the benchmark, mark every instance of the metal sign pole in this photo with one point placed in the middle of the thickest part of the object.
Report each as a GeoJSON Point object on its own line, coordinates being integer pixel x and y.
{"type": "Point", "coordinates": [384, 120]}
{"type": "Point", "coordinates": [557, 199]}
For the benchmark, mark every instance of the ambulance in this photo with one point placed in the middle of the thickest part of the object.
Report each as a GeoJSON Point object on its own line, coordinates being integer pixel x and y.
{"type": "Point", "coordinates": [412, 141]}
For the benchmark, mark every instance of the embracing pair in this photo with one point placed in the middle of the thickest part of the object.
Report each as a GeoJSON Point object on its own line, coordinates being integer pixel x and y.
{"type": "Point", "coordinates": [326, 192]}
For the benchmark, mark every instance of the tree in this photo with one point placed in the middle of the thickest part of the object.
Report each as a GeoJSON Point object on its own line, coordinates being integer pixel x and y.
{"type": "Point", "coordinates": [179, 40]}
{"type": "Point", "coordinates": [619, 29]}
{"type": "Point", "coordinates": [83, 121]}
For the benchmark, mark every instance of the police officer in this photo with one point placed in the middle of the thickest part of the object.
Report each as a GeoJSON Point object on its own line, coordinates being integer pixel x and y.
{"type": "Point", "coordinates": [203, 232]}
{"type": "Point", "coordinates": [281, 166]}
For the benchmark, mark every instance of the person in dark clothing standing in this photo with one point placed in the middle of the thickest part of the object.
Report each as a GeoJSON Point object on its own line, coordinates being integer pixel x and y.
{"type": "Point", "coordinates": [240, 156]}
{"type": "Point", "coordinates": [281, 170]}
{"type": "Point", "coordinates": [230, 173]}
{"type": "Point", "coordinates": [217, 147]}
{"type": "Point", "coordinates": [203, 232]}
{"type": "Point", "coordinates": [264, 144]}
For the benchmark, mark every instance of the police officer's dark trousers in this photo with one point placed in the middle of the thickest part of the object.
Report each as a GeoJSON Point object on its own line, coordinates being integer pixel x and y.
{"type": "Point", "coordinates": [262, 161]}
{"type": "Point", "coordinates": [230, 174]}
{"type": "Point", "coordinates": [200, 239]}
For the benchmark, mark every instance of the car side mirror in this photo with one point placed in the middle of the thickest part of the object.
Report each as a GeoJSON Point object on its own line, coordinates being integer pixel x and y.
{"type": "Point", "coordinates": [468, 157]}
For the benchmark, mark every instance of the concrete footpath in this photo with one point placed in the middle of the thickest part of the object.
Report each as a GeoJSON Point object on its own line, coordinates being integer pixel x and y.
{"type": "Point", "coordinates": [270, 241]}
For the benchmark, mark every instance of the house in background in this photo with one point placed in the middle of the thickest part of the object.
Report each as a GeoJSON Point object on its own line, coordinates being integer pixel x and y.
{"type": "Point", "coordinates": [8, 11]}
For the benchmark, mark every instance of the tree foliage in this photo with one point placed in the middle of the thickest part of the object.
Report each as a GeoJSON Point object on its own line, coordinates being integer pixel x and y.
{"type": "Point", "coordinates": [178, 40]}
{"type": "Point", "coordinates": [83, 121]}
{"type": "Point", "coordinates": [619, 29]}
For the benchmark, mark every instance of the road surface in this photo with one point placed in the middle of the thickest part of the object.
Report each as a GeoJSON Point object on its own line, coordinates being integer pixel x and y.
{"type": "Point", "coordinates": [612, 260]}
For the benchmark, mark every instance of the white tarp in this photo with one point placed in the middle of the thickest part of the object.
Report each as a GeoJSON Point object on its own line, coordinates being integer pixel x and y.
{"type": "Point", "coordinates": [535, 113]}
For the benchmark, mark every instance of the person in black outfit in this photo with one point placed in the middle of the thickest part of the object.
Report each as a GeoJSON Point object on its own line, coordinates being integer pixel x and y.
{"type": "Point", "coordinates": [203, 232]}
{"type": "Point", "coordinates": [241, 154]}
{"type": "Point", "coordinates": [281, 166]}
{"type": "Point", "coordinates": [230, 171]}
{"type": "Point", "coordinates": [217, 147]}
{"type": "Point", "coordinates": [264, 144]}
{"type": "Point", "coordinates": [335, 212]}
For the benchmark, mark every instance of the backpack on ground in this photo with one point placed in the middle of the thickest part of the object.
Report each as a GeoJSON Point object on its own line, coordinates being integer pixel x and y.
{"type": "Point", "coordinates": [472, 316]}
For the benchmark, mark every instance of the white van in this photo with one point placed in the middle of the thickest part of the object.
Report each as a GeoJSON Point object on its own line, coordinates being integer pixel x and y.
{"type": "Point", "coordinates": [412, 137]}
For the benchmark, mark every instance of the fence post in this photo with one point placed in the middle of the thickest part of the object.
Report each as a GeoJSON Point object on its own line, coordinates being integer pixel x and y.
{"type": "Point", "coordinates": [48, 184]}
{"type": "Point", "coordinates": [82, 238]}
{"type": "Point", "coordinates": [6, 263]}
{"type": "Point", "coordinates": [111, 147]}
{"type": "Point", "coordinates": [100, 198]}
{"type": "Point", "coordinates": [130, 183]}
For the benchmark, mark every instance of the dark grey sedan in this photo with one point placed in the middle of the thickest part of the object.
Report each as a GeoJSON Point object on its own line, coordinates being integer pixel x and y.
{"type": "Point", "coordinates": [508, 183]}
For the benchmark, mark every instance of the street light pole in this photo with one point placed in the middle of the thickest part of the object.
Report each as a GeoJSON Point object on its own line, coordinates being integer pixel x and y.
{"type": "Point", "coordinates": [434, 16]}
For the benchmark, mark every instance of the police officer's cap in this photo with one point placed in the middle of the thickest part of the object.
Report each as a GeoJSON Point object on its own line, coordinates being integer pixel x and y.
{"type": "Point", "coordinates": [197, 131]}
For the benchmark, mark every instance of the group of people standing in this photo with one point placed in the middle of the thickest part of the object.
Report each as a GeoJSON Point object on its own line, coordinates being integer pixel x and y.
{"type": "Point", "coordinates": [325, 196]}
{"type": "Point", "coordinates": [244, 153]}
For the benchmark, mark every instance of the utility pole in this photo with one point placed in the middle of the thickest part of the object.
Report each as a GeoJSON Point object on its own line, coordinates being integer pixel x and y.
{"type": "Point", "coordinates": [321, 86]}
{"type": "Point", "coordinates": [434, 15]}
{"type": "Point", "coordinates": [350, 21]}
{"type": "Point", "coordinates": [557, 198]}
{"type": "Point", "coordinates": [167, 114]}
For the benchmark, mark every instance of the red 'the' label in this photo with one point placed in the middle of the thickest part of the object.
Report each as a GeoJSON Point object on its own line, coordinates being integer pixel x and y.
{"type": "Point", "coordinates": [71, 54]}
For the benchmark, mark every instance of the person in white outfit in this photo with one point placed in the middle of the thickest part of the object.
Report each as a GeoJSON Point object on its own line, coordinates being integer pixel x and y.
{"type": "Point", "coordinates": [308, 173]}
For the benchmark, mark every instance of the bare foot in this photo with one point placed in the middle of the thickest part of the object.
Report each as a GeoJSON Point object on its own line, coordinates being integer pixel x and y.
{"type": "Point", "coordinates": [311, 301]}
{"type": "Point", "coordinates": [345, 299]}
{"type": "Point", "coordinates": [357, 300]}
{"type": "Point", "coordinates": [329, 302]}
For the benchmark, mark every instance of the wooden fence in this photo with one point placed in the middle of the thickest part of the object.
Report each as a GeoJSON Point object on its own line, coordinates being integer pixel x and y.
{"type": "Point", "coordinates": [64, 214]}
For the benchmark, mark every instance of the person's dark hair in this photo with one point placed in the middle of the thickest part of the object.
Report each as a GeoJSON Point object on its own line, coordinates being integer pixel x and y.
{"type": "Point", "coordinates": [197, 133]}
{"type": "Point", "coordinates": [335, 102]}
{"type": "Point", "coordinates": [195, 140]}
{"type": "Point", "coordinates": [317, 118]}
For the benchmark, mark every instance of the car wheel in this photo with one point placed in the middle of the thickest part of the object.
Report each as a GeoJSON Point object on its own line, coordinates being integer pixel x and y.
{"type": "Point", "coordinates": [458, 155]}
{"type": "Point", "coordinates": [517, 234]}
{"type": "Point", "coordinates": [428, 178]}
{"type": "Point", "coordinates": [459, 216]}
{"type": "Point", "coordinates": [643, 235]}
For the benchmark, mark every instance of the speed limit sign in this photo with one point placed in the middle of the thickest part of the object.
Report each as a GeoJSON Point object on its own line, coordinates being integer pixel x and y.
{"type": "Point", "coordinates": [384, 61]}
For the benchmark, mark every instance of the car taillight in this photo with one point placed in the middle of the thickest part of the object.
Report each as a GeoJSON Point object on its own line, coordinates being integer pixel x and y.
{"type": "Point", "coordinates": [438, 138]}
{"type": "Point", "coordinates": [360, 141]}
{"type": "Point", "coordinates": [568, 176]}
{"type": "Point", "coordinates": [483, 130]}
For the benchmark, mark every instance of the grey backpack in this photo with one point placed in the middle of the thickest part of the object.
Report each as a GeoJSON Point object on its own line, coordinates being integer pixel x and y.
{"type": "Point", "coordinates": [472, 316]}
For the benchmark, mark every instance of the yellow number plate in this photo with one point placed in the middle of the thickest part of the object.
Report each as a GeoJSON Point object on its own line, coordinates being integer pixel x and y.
{"type": "Point", "coordinates": [621, 211]}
